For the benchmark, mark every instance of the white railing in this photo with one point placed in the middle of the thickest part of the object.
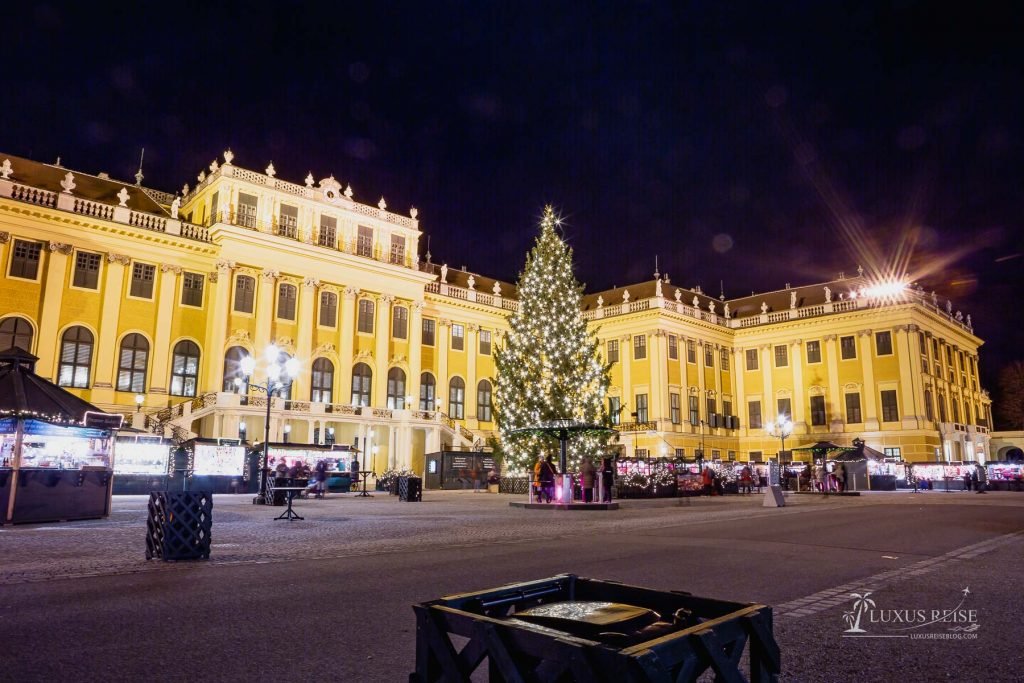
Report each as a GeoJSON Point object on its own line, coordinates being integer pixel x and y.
{"type": "Point", "coordinates": [148, 221]}
{"type": "Point", "coordinates": [93, 209]}
{"type": "Point", "coordinates": [33, 195]}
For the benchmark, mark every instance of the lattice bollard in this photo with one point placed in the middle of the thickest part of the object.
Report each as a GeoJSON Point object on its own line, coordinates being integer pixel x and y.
{"type": "Point", "coordinates": [410, 489]}
{"type": "Point", "coordinates": [179, 523]}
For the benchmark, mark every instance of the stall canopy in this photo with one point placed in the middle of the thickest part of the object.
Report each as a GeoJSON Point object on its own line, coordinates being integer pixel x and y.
{"type": "Point", "coordinates": [824, 447]}
{"type": "Point", "coordinates": [862, 451]}
{"type": "Point", "coordinates": [23, 393]}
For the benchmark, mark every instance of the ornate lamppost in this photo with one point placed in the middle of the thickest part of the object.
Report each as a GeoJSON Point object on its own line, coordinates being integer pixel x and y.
{"type": "Point", "coordinates": [279, 376]}
{"type": "Point", "coordinates": [781, 427]}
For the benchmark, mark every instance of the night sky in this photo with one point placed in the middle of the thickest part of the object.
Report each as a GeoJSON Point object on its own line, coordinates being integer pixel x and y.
{"type": "Point", "coordinates": [749, 145]}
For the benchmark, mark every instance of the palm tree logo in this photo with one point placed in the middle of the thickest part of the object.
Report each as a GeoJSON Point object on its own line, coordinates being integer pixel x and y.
{"type": "Point", "coordinates": [861, 604]}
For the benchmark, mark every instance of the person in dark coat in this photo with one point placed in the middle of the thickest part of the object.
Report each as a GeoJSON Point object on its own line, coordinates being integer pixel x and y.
{"type": "Point", "coordinates": [547, 478]}
{"type": "Point", "coordinates": [587, 475]}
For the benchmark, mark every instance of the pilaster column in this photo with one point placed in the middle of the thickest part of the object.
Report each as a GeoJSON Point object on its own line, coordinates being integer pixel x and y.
{"type": "Point", "coordinates": [382, 335]}
{"type": "Point", "coordinates": [415, 352]}
{"type": "Point", "coordinates": [444, 328]}
{"type": "Point", "coordinates": [911, 397]}
{"type": "Point", "coordinates": [472, 347]}
{"type": "Point", "coordinates": [49, 318]}
{"type": "Point", "coordinates": [265, 314]}
{"type": "Point", "coordinates": [304, 343]}
{"type": "Point", "coordinates": [217, 324]}
{"type": "Point", "coordinates": [739, 370]}
{"type": "Point", "coordinates": [626, 360]}
{"type": "Point", "coordinates": [769, 407]}
{"type": "Point", "coordinates": [797, 363]}
{"type": "Point", "coordinates": [162, 341]}
{"type": "Point", "coordinates": [868, 368]}
{"type": "Point", "coordinates": [113, 285]}
{"type": "Point", "coordinates": [702, 390]}
{"type": "Point", "coordinates": [718, 379]}
{"type": "Point", "coordinates": [835, 394]}
{"type": "Point", "coordinates": [659, 374]}
{"type": "Point", "coordinates": [346, 327]}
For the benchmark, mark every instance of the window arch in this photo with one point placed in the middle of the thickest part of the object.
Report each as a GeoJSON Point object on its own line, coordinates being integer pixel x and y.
{"type": "Point", "coordinates": [483, 401]}
{"type": "Point", "coordinates": [15, 331]}
{"type": "Point", "coordinates": [323, 381]}
{"type": "Point", "coordinates": [184, 368]}
{"type": "Point", "coordinates": [396, 389]}
{"type": "Point", "coordinates": [75, 357]}
{"type": "Point", "coordinates": [362, 378]}
{"type": "Point", "coordinates": [457, 398]}
{"type": "Point", "coordinates": [132, 363]}
{"type": "Point", "coordinates": [284, 383]}
{"type": "Point", "coordinates": [428, 388]}
{"type": "Point", "coordinates": [233, 368]}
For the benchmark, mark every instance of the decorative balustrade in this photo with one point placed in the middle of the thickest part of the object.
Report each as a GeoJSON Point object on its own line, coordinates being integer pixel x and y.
{"type": "Point", "coordinates": [147, 221]}
{"type": "Point", "coordinates": [648, 426]}
{"type": "Point", "coordinates": [159, 197]}
{"type": "Point", "coordinates": [196, 232]}
{"type": "Point", "coordinates": [93, 209]}
{"type": "Point", "coordinates": [33, 195]}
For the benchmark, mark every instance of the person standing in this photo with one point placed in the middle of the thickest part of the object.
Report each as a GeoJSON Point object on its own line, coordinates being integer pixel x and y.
{"type": "Point", "coordinates": [967, 481]}
{"type": "Point", "coordinates": [547, 478]}
{"type": "Point", "coordinates": [840, 475]}
{"type": "Point", "coordinates": [587, 472]}
{"type": "Point", "coordinates": [607, 479]}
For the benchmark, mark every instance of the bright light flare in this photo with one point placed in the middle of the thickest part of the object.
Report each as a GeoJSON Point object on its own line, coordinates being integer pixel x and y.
{"type": "Point", "coordinates": [889, 290]}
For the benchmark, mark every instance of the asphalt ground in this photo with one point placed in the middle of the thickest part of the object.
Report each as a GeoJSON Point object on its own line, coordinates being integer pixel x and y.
{"type": "Point", "coordinates": [330, 597]}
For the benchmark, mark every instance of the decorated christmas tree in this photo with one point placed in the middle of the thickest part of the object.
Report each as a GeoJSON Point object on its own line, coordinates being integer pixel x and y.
{"type": "Point", "coordinates": [549, 366]}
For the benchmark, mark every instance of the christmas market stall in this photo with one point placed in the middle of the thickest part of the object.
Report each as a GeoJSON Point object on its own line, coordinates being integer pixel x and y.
{"type": "Point", "coordinates": [649, 477]}
{"type": "Point", "coordinates": [212, 465]}
{"type": "Point", "coordinates": [143, 464]}
{"type": "Point", "coordinates": [55, 448]}
{"type": "Point", "coordinates": [458, 469]}
{"type": "Point", "coordinates": [1006, 476]}
{"type": "Point", "coordinates": [339, 458]}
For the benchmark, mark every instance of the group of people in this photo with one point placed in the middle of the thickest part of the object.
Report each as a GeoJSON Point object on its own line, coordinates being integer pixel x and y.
{"type": "Point", "coordinates": [820, 479]}
{"type": "Point", "coordinates": [316, 477]}
{"type": "Point", "coordinates": [545, 474]}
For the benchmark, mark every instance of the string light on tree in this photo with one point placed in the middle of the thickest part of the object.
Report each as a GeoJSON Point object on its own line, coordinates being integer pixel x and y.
{"type": "Point", "coordinates": [549, 366]}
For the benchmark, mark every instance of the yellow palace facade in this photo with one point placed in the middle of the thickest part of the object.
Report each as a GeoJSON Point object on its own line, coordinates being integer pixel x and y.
{"type": "Point", "coordinates": [145, 303]}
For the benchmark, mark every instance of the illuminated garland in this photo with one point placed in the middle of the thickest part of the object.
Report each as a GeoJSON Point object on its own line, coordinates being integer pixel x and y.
{"type": "Point", "coordinates": [548, 365]}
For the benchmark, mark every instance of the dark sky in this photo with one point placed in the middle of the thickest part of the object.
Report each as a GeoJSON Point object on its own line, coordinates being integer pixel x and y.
{"type": "Point", "coordinates": [750, 144]}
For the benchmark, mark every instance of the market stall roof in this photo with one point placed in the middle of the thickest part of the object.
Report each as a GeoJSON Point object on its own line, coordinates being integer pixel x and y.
{"type": "Point", "coordinates": [864, 451]}
{"type": "Point", "coordinates": [23, 393]}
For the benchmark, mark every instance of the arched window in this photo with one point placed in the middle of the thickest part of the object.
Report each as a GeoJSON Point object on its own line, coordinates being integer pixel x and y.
{"type": "Point", "coordinates": [427, 389]}
{"type": "Point", "coordinates": [323, 381]}
{"type": "Point", "coordinates": [15, 332]}
{"type": "Point", "coordinates": [75, 357]}
{"type": "Point", "coordinates": [483, 401]}
{"type": "Point", "coordinates": [184, 369]}
{"type": "Point", "coordinates": [457, 398]}
{"type": "Point", "coordinates": [396, 389]}
{"type": "Point", "coordinates": [132, 362]}
{"type": "Point", "coordinates": [233, 368]}
{"type": "Point", "coordinates": [362, 376]}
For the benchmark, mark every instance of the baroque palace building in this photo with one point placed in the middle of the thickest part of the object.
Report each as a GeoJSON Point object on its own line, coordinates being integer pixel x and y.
{"type": "Point", "coordinates": [144, 302]}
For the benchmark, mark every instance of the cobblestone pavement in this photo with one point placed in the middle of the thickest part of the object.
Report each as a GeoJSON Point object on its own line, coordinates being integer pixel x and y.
{"type": "Point", "coordinates": [340, 525]}
{"type": "Point", "coordinates": [344, 525]}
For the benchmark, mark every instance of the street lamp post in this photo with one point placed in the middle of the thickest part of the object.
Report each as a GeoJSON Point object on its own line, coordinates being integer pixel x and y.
{"type": "Point", "coordinates": [781, 427]}
{"type": "Point", "coordinates": [279, 376]}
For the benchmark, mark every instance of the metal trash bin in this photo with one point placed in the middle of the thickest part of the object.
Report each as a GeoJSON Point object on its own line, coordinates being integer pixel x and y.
{"type": "Point", "coordinates": [410, 489]}
{"type": "Point", "coordinates": [539, 631]}
{"type": "Point", "coordinates": [179, 525]}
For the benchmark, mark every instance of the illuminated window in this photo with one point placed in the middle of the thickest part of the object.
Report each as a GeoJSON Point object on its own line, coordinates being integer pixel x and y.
{"type": "Point", "coordinates": [615, 409]}
{"type": "Point", "coordinates": [75, 357]}
{"type": "Point", "coordinates": [323, 381]}
{"type": "Point", "coordinates": [364, 241]}
{"type": "Point", "coordinates": [397, 250]}
{"type": "Point", "coordinates": [184, 369]}
{"type": "Point", "coordinates": [785, 408]}
{"type": "Point", "coordinates": [132, 362]}
{"type": "Point", "coordinates": [428, 387]}
{"type": "Point", "coordinates": [483, 401]}
{"type": "Point", "coordinates": [396, 389]}
{"type": "Point", "coordinates": [246, 210]}
{"type": "Point", "coordinates": [288, 222]}
{"type": "Point", "coordinates": [233, 368]}
{"type": "Point", "coordinates": [362, 377]}
{"type": "Point", "coordinates": [328, 235]}
{"type": "Point", "coordinates": [456, 398]}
